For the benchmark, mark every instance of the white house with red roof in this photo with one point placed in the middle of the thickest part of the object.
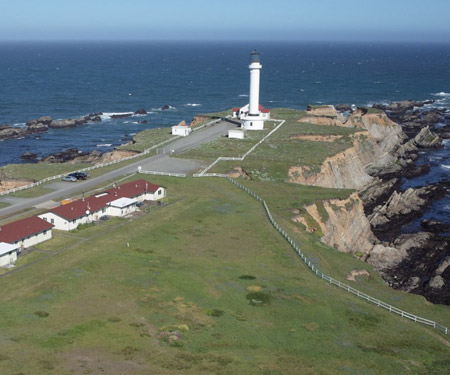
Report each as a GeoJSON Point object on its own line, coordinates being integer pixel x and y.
{"type": "Point", "coordinates": [26, 232]}
{"type": "Point", "coordinates": [118, 201]}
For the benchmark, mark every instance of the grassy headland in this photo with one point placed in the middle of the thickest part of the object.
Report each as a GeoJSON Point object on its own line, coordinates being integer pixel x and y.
{"type": "Point", "coordinates": [205, 286]}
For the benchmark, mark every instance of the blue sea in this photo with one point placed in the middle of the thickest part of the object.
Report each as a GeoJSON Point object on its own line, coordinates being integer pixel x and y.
{"type": "Point", "coordinates": [73, 79]}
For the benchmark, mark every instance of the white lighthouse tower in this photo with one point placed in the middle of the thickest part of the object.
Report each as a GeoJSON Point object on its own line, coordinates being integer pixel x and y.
{"type": "Point", "coordinates": [254, 120]}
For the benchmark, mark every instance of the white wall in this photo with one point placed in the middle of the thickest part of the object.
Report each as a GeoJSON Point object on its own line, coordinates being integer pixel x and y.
{"type": "Point", "coordinates": [116, 211]}
{"type": "Point", "coordinates": [181, 130]}
{"type": "Point", "coordinates": [63, 224]}
{"type": "Point", "coordinates": [34, 240]}
{"type": "Point", "coordinates": [8, 258]}
{"type": "Point", "coordinates": [158, 194]}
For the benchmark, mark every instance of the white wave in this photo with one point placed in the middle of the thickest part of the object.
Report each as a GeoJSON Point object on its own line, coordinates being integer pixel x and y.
{"type": "Point", "coordinates": [442, 94]}
{"type": "Point", "coordinates": [445, 166]}
{"type": "Point", "coordinates": [108, 115]}
{"type": "Point", "coordinates": [19, 125]}
{"type": "Point", "coordinates": [193, 105]}
{"type": "Point", "coordinates": [132, 133]}
{"type": "Point", "coordinates": [244, 95]}
{"type": "Point", "coordinates": [160, 109]}
{"type": "Point", "coordinates": [104, 145]}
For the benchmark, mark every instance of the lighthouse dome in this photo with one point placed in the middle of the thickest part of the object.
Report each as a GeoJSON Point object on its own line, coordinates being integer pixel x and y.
{"type": "Point", "coordinates": [255, 57]}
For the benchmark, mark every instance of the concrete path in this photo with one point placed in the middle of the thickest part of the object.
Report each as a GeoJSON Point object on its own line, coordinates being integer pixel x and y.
{"type": "Point", "coordinates": [161, 163]}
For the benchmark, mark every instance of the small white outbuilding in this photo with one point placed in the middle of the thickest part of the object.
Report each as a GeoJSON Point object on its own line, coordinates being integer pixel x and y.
{"type": "Point", "coordinates": [8, 254]}
{"type": "Point", "coordinates": [122, 207]}
{"type": "Point", "coordinates": [236, 133]}
{"type": "Point", "coordinates": [182, 129]}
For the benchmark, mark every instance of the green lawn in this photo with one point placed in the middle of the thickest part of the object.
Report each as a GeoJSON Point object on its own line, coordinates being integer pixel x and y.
{"type": "Point", "coordinates": [225, 146]}
{"type": "Point", "coordinates": [3, 204]}
{"type": "Point", "coordinates": [206, 286]}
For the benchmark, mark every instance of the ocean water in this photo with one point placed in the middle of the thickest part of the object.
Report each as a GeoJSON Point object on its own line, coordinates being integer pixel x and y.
{"type": "Point", "coordinates": [73, 79]}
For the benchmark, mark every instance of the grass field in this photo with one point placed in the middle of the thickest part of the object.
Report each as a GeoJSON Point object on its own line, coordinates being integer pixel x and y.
{"type": "Point", "coordinates": [148, 138]}
{"type": "Point", "coordinates": [272, 159]}
{"type": "Point", "coordinates": [206, 286]}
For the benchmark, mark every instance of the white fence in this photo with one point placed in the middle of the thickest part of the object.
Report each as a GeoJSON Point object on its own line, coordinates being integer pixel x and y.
{"type": "Point", "coordinates": [240, 158]}
{"type": "Point", "coordinates": [161, 173]}
{"type": "Point", "coordinates": [331, 280]}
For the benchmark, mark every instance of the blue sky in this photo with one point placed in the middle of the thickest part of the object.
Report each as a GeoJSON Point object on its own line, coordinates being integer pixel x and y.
{"type": "Point", "coordinates": [303, 20]}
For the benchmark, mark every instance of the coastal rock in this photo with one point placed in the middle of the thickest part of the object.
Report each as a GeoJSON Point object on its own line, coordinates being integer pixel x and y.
{"type": "Point", "coordinates": [38, 128]}
{"type": "Point", "coordinates": [80, 121]}
{"type": "Point", "coordinates": [343, 107]}
{"type": "Point", "coordinates": [377, 191]}
{"type": "Point", "coordinates": [402, 207]}
{"type": "Point", "coordinates": [95, 119]}
{"type": "Point", "coordinates": [143, 122]}
{"type": "Point", "coordinates": [69, 123]}
{"type": "Point", "coordinates": [140, 111]}
{"type": "Point", "coordinates": [122, 115]}
{"type": "Point", "coordinates": [63, 156]}
{"type": "Point", "coordinates": [426, 263]}
{"type": "Point", "coordinates": [46, 120]}
{"type": "Point", "coordinates": [434, 226]}
{"type": "Point", "coordinates": [4, 126]}
{"type": "Point", "coordinates": [427, 139]}
{"type": "Point", "coordinates": [10, 132]}
{"type": "Point", "coordinates": [32, 122]}
{"type": "Point", "coordinates": [385, 257]}
{"type": "Point", "coordinates": [165, 107]}
{"type": "Point", "coordinates": [28, 156]}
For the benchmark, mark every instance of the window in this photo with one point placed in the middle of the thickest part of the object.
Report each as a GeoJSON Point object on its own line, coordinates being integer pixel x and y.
{"type": "Point", "coordinates": [45, 232]}
{"type": "Point", "coordinates": [52, 221]}
{"type": "Point", "coordinates": [159, 192]}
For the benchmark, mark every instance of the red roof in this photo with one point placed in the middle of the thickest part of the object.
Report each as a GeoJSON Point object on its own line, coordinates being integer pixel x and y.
{"type": "Point", "coordinates": [263, 110]}
{"type": "Point", "coordinates": [21, 229]}
{"type": "Point", "coordinates": [78, 208]}
{"type": "Point", "coordinates": [236, 109]}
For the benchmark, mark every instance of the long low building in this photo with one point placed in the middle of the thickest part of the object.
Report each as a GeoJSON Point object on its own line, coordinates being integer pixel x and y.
{"type": "Point", "coordinates": [118, 201]}
{"type": "Point", "coordinates": [26, 232]}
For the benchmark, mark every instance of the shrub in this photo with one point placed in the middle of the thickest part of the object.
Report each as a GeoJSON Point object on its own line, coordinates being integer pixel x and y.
{"type": "Point", "coordinates": [215, 313]}
{"type": "Point", "coordinates": [41, 314]}
{"type": "Point", "coordinates": [247, 277]}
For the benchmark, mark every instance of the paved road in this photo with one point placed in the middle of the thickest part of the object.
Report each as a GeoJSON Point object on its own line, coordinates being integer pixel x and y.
{"type": "Point", "coordinates": [163, 162]}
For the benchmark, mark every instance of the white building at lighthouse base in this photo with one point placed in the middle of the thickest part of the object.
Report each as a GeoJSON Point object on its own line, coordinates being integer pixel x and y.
{"type": "Point", "coordinates": [251, 122]}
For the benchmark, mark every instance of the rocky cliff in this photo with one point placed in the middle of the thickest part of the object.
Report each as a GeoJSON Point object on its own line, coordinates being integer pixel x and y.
{"type": "Point", "coordinates": [373, 147]}
{"type": "Point", "coordinates": [368, 224]}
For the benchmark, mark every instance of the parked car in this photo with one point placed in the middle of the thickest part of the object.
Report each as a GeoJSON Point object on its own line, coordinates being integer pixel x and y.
{"type": "Point", "coordinates": [69, 178]}
{"type": "Point", "coordinates": [104, 217]}
{"type": "Point", "coordinates": [79, 175]}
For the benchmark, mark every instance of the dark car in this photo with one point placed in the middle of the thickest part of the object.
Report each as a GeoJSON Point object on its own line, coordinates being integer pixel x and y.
{"type": "Point", "coordinates": [79, 175]}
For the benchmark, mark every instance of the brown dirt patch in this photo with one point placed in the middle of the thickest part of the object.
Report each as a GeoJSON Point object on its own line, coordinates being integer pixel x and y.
{"type": "Point", "coordinates": [238, 172]}
{"type": "Point", "coordinates": [95, 362]}
{"type": "Point", "coordinates": [316, 137]}
{"type": "Point", "coordinates": [352, 275]}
